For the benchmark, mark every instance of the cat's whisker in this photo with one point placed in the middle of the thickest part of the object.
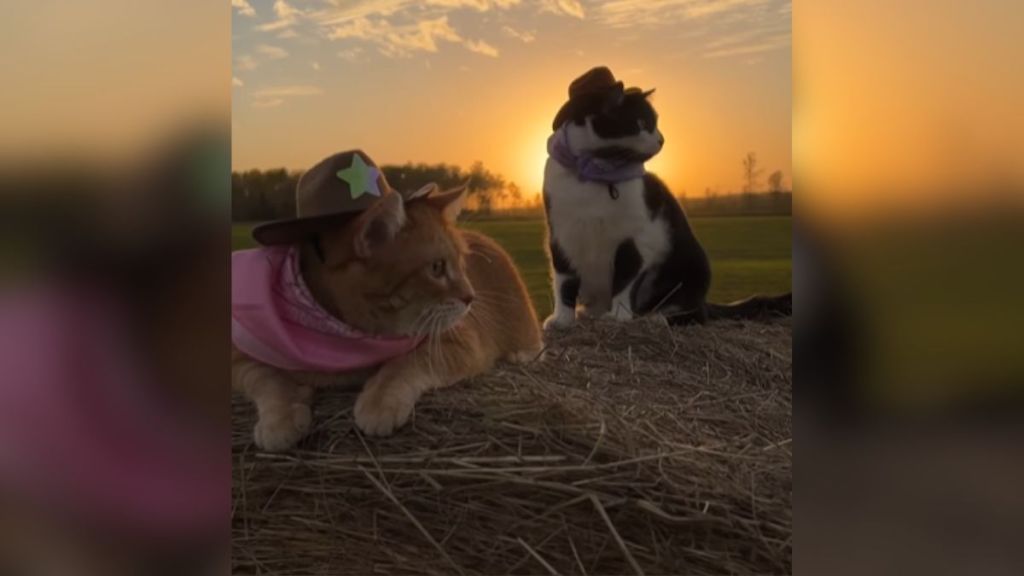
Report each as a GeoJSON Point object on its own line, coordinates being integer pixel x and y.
{"type": "Point", "coordinates": [434, 347]}
{"type": "Point", "coordinates": [439, 329]}
{"type": "Point", "coordinates": [435, 340]}
{"type": "Point", "coordinates": [425, 325]}
{"type": "Point", "coordinates": [483, 315]}
{"type": "Point", "coordinates": [490, 295]}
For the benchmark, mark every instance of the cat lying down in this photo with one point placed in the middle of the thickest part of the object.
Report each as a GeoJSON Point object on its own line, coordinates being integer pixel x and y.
{"type": "Point", "coordinates": [397, 297]}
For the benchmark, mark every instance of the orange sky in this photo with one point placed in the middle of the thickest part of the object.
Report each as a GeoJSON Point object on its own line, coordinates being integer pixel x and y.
{"type": "Point", "coordinates": [463, 80]}
{"type": "Point", "coordinates": [907, 105]}
{"type": "Point", "coordinates": [912, 103]}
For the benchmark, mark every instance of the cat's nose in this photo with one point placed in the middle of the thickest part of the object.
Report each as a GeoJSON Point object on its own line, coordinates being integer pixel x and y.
{"type": "Point", "coordinates": [467, 299]}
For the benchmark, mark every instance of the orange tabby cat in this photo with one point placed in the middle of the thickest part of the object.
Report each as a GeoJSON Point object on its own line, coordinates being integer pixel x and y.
{"type": "Point", "coordinates": [400, 269]}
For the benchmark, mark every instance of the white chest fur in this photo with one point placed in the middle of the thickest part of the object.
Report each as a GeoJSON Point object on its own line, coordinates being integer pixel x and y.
{"type": "Point", "coordinates": [589, 225]}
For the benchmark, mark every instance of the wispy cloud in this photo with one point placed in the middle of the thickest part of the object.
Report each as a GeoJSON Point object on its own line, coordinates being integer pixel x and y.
{"type": "Point", "coordinates": [398, 40]}
{"type": "Point", "coordinates": [403, 40]}
{"type": "Point", "coordinates": [481, 47]}
{"type": "Point", "coordinates": [479, 5]}
{"type": "Point", "coordinates": [628, 13]}
{"type": "Point", "coordinates": [567, 7]}
{"type": "Point", "coordinates": [523, 35]}
{"type": "Point", "coordinates": [243, 7]}
{"type": "Point", "coordinates": [747, 48]}
{"type": "Point", "coordinates": [287, 16]}
{"type": "Point", "coordinates": [288, 91]}
{"type": "Point", "coordinates": [402, 28]}
{"type": "Point", "coordinates": [342, 11]}
{"type": "Point", "coordinates": [315, 65]}
{"type": "Point", "coordinates": [245, 62]}
{"type": "Point", "coordinates": [351, 54]}
{"type": "Point", "coordinates": [273, 96]}
{"type": "Point", "coordinates": [235, 81]}
{"type": "Point", "coordinates": [272, 52]}
{"type": "Point", "coordinates": [269, 103]}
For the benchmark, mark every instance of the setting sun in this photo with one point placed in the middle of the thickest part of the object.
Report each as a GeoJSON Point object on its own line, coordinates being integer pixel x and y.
{"type": "Point", "coordinates": [535, 156]}
{"type": "Point", "coordinates": [483, 84]}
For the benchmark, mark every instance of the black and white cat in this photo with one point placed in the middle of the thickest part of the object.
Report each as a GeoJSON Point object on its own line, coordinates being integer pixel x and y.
{"type": "Point", "coordinates": [620, 243]}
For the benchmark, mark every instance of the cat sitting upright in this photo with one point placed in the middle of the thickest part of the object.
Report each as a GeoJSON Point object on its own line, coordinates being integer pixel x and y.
{"type": "Point", "coordinates": [620, 243]}
{"type": "Point", "coordinates": [369, 285]}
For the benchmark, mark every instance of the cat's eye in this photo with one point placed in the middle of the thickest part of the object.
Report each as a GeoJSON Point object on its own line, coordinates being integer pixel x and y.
{"type": "Point", "coordinates": [642, 123]}
{"type": "Point", "coordinates": [438, 268]}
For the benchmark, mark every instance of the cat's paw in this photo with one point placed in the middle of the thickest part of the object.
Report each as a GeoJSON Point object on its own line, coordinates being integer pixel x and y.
{"type": "Point", "coordinates": [281, 429]}
{"type": "Point", "coordinates": [559, 321]}
{"type": "Point", "coordinates": [380, 410]}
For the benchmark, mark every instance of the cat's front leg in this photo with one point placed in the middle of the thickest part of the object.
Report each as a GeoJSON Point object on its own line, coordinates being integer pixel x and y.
{"type": "Point", "coordinates": [388, 399]}
{"type": "Point", "coordinates": [282, 406]}
{"type": "Point", "coordinates": [625, 274]}
{"type": "Point", "coordinates": [565, 290]}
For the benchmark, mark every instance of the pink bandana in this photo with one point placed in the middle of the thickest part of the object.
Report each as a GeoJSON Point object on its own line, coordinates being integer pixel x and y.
{"type": "Point", "coordinates": [275, 319]}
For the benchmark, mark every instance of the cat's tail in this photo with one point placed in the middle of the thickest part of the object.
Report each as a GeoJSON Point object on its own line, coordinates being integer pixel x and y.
{"type": "Point", "coordinates": [756, 307]}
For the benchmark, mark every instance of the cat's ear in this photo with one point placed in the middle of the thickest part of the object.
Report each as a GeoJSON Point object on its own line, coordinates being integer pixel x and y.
{"type": "Point", "coordinates": [379, 224]}
{"type": "Point", "coordinates": [450, 202]}
{"type": "Point", "coordinates": [647, 93]}
{"type": "Point", "coordinates": [424, 191]}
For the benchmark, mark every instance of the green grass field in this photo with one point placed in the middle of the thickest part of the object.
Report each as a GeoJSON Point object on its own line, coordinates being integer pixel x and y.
{"type": "Point", "coordinates": [749, 254]}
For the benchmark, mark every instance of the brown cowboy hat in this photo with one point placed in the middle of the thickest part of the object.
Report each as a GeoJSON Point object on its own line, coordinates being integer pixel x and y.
{"type": "Point", "coordinates": [334, 190]}
{"type": "Point", "coordinates": [597, 81]}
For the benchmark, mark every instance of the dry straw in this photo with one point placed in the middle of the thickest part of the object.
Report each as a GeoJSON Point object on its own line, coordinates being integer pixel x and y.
{"type": "Point", "coordinates": [628, 449]}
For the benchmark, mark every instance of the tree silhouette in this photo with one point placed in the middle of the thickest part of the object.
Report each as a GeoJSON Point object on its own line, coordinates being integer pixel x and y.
{"type": "Point", "coordinates": [270, 194]}
{"type": "Point", "coordinates": [775, 182]}
{"type": "Point", "coordinates": [751, 173]}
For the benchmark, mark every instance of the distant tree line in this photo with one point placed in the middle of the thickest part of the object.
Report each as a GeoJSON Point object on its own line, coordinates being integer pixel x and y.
{"type": "Point", "coordinates": [746, 204]}
{"type": "Point", "coordinates": [270, 194]}
{"type": "Point", "coordinates": [752, 200]}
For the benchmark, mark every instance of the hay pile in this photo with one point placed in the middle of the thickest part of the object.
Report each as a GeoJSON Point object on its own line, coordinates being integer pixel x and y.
{"type": "Point", "coordinates": [630, 449]}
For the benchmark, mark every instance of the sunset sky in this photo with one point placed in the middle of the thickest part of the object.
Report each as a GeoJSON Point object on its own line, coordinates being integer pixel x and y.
{"type": "Point", "coordinates": [463, 80]}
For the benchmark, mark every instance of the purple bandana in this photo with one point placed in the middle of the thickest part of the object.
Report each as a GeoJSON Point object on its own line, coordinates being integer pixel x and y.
{"type": "Point", "coordinates": [589, 168]}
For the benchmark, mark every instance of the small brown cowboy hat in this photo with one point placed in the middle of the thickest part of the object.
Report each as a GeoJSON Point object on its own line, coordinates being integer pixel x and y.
{"type": "Point", "coordinates": [596, 81]}
{"type": "Point", "coordinates": [334, 190]}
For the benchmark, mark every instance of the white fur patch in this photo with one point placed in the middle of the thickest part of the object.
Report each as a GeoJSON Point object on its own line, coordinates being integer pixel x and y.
{"type": "Point", "coordinates": [588, 225]}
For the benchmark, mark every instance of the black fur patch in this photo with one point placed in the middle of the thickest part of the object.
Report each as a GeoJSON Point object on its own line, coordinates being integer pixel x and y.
{"type": "Point", "coordinates": [633, 115]}
{"type": "Point", "coordinates": [682, 280]}
{"type": "Point", "coordinates": [655, 195]}
{"type": "Point", "coordinates": [570, 290]}
{"type": "Point", "coordinates": [559, 260]}
{"type": "Point", "coordinates": [628, 263]}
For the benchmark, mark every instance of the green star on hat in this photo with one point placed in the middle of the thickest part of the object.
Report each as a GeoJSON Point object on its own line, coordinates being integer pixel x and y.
{"type": "Point", "coordinates": [361, 178]}
{"type": "Point", "coordinates": [330, 193]}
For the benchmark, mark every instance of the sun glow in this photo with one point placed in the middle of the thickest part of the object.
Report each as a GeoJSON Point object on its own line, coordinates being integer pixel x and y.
{"type": "Point", "coordinates": [534, 155]}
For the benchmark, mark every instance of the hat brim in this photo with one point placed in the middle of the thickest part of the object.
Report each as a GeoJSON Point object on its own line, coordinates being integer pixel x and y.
{"type": "Point", "coordinates": [563, 115]}
{"type": "Point", "coordinates": [295, 230]}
